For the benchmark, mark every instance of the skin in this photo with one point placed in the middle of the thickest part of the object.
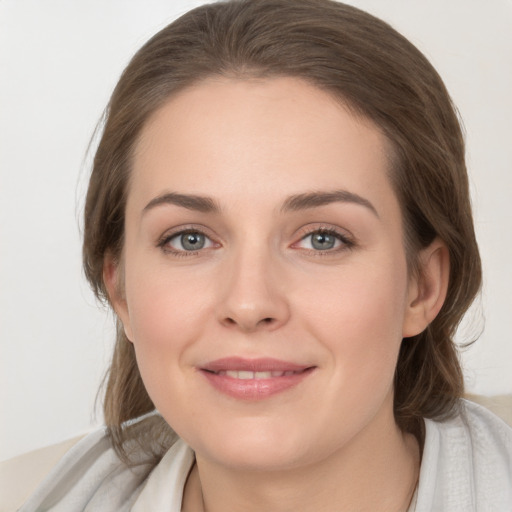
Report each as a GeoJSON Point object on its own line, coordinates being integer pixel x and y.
{"type": "Point", "coordinates": [259, 288]}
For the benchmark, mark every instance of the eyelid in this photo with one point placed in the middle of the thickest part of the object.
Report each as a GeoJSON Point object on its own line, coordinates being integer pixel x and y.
{"type": "Point", "coordinates": [164, 239]}
{"type": "Point", "coordinates": [347, 239]}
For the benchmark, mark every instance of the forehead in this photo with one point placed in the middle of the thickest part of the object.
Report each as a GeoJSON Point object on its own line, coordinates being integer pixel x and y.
{"type": "Point", "coordinates": [236, 139]}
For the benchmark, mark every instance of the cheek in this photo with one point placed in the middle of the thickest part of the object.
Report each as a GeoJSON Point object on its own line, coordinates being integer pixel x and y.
{"type": "Point", "coordinates": [358, 320]}
{"type": "Point", "coordinates": [164, 313]}
{"type": "Point", "coordinates": [163, 305]}
{"type": "Point", "coordinates": [359, 316]}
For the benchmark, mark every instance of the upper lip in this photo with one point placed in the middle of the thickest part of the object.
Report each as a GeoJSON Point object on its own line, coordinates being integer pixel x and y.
{"type": "Point", "coordinates": [264, 364]}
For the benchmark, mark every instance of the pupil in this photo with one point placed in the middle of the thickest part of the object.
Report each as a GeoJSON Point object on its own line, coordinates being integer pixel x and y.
{"type": "Point", "coordinates": [192, 241]}
{"type": "Point", "coordinates": [323, 241]}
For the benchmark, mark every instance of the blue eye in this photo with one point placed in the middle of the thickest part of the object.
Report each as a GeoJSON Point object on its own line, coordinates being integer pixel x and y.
{"type": "Point", "coordinates": [187, 241]}
{"type": "Point", "coordinates": [192, 241]}
{"type": "Point", "coordinates": [324, 240]}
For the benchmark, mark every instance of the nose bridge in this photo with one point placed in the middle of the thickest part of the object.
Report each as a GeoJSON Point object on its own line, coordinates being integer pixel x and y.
{"type": "Point", "coordinates": [253, 296]}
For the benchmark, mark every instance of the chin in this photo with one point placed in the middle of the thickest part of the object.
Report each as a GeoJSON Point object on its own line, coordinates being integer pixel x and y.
{"type": "Point", "coordinates": [259, 457]}
{"type": "Point", "coordinates": [253, 447]}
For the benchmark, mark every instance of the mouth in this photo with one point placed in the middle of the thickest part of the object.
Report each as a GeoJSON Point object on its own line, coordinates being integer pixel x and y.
{"type": "Point", "coordinates": [248, 375]}
{"type": "Point", "coordinates": [254, 379]}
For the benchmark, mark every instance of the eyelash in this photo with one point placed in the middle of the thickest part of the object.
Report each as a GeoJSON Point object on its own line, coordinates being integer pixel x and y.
{"type": "Point", "coordinates": [346, 242]}
{"type": "Point", "coordinates": [164, 241]}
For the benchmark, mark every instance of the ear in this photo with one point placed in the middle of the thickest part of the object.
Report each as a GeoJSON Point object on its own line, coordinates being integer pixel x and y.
{"type": "Point", "coordinates": [427, 288]}
{"type": "Point", "coordinates": [113, 277]}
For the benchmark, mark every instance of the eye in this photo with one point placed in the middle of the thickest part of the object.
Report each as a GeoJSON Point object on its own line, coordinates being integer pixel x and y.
{"type": "Point", "coordinates": [186, 241]}
{"type": "Point", "coordinates": [324, 240]}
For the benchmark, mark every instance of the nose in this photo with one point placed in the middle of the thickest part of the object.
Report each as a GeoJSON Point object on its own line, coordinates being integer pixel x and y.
{"type": "Point", "coordinates": [252, 293]}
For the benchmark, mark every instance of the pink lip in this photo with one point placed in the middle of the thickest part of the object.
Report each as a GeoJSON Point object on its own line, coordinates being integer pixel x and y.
{"type": "Point", "coordinates": [255, 388]}
{"type": "Point", "coordinates": [263, 364]}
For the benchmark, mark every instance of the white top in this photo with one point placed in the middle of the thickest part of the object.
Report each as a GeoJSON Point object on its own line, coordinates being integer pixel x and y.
{"type": "Point", "coordinates": [466, 466]}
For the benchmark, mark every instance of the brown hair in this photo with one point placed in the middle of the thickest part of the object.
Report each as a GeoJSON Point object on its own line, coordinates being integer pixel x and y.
{"type": "Point", "coordinates": [366, 64]}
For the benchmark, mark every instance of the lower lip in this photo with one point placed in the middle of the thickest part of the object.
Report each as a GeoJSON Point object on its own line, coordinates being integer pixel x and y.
{"type": "Point", "coordinates": [254, 389]}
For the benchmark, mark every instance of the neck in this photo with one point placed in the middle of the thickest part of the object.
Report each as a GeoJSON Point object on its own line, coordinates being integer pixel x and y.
{"type": "Point", "coordinates": [378, 470]}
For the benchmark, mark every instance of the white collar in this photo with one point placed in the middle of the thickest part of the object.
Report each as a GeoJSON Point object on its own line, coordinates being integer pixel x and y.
{"type": "Point", "coordinates": [163, 491]}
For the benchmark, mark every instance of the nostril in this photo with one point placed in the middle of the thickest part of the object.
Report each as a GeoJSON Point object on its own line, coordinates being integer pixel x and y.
{"type": "Point", "coordinates": [249, 323]}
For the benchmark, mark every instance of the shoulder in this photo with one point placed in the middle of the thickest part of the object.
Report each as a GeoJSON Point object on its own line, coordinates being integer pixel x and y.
{"type": "Point", "coordinates": [85, 473]}
{"type": "Point", "coordinates": [20, 475]}
{"type": "Point", "coordinates": [91, 476]}
{"type": "Point", "coordinates": [467, 462]}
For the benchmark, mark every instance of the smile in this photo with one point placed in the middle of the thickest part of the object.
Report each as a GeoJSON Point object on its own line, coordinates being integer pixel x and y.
{"type": "Point", "coordinates": [253, 379]}
{"type": "Point", "coordinates": [247, 375]}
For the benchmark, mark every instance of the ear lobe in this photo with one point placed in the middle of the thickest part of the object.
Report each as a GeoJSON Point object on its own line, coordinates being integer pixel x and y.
{"type": "Point", "coordinates": [113, 280]}
{"type": "Point", "coordinates": [427, 290]}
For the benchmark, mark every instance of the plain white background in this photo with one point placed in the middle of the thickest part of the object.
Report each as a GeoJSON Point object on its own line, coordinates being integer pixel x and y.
{"type": "Point", "coordinates": [59, 61]}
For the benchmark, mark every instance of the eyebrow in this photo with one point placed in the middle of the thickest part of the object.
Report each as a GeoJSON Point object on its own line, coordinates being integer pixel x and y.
{"type": "Point", "coordinates": [190, 202]}
{"type": "Point", "coordinates": [297, 202]}
{"type": "Point", "coordinates": [316, 199]}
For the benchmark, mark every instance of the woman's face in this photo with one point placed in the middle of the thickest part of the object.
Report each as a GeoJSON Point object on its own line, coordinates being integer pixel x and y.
{"type": "Point", "coordinates": [265, 281]}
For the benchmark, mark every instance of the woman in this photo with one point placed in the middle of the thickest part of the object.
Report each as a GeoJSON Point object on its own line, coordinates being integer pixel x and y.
{"type": "Point", "coordinates": [279, 215]}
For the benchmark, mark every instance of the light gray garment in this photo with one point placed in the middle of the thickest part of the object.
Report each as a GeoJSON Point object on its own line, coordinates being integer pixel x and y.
{"type": "Point", "coordinates": [466, 464]}
{"type": "Point", "coordinates": [90, 478]}
{"type": "Point", "coordinates": [466, 467]}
